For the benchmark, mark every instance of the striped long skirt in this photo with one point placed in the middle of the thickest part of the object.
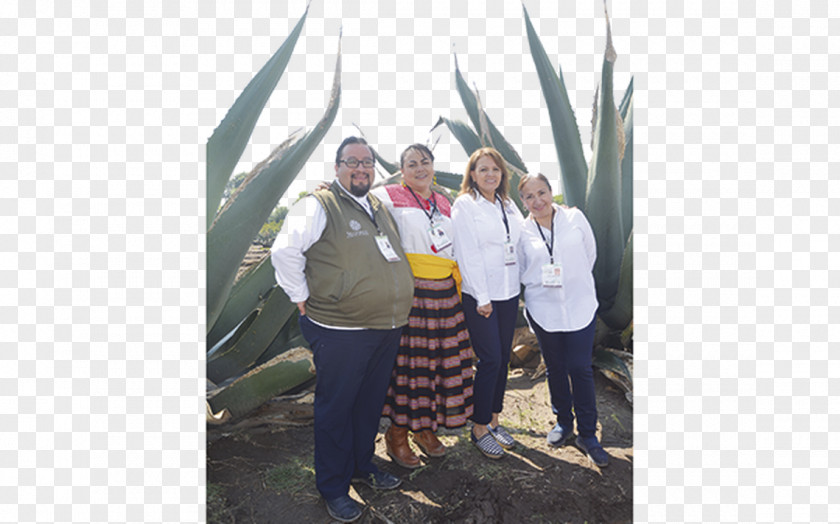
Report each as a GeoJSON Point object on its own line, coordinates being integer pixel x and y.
{"type": "Point", "coordinates": [432, 381]}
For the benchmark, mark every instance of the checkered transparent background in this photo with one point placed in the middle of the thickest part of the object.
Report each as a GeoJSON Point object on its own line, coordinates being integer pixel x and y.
{"type": "Point", "coordinates": [105, 110]}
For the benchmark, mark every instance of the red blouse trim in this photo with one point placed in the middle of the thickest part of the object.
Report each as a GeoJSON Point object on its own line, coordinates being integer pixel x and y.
{"type": "Point", "coordinates": [401, 197]}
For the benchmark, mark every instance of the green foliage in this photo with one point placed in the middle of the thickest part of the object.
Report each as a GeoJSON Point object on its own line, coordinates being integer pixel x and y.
{"type": "Point", "coordinates": [607, 360]}
{"type": "Point", "coordinates": [245, 318]}
{"type": "Point", "coordinates": [390, 167]}
{"type": "Point", "coordinates": [485, 135]}
{"type": "Point", "coordinates": [272, 226]}
{"type": "Point", "coordinates": [217, 505]}
{"type": "Point", "coordinates": [240, 219]}
{"type": "Point", "coordinates": [261, 383]}
{"type": "Point", "coordinates": [228, 141]}
{"type": "Point", "coordinates": [267, 234]}
{"type": "Point", "coordinates": [279, 214]}
{"type": "Point", "coordinates": [603, 191]}
{"type": "Point", "coordinates": [559, 200]}
{"type": "Point", "coordinates": [232, 185]}
{"type": "Point", "coordinates": [293, 476]}
{"type": "Point", "coordinates": [562, 117]}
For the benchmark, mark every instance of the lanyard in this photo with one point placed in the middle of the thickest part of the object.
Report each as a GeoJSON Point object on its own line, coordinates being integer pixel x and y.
{"type": "Point", "coordinates": [549, 246]}
{"type": "Point", "coordinates": [371, 215]}
{"type": "Point", "coordinates": [504, 217]}
{"type": "Point", "coordinates": [432, 205]}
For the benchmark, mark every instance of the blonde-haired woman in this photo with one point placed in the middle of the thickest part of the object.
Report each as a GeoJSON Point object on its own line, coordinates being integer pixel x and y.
{"type": "Point", "coordinates": [487, 226]}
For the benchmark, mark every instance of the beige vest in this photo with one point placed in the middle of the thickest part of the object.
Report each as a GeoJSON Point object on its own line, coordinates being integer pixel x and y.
{"type": "Point", "coordinates": [350, 282]}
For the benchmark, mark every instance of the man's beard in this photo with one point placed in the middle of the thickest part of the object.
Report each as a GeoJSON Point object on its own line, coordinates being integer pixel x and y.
{"type": "Point", "coordinates": [360, 189]}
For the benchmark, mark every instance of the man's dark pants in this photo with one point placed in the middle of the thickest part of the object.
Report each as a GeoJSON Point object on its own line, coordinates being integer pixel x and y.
{"type": "Point", "coordinates": [353, 369]}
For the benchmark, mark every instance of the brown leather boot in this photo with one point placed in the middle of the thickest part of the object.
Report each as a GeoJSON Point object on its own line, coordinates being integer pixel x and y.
{"type": "Point", "coordinates": [396, 445]}
{"type": "Point", "coordinates": [429, 443]}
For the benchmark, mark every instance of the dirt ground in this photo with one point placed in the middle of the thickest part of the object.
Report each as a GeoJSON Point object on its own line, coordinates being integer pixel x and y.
{"type": "Point", "coordinates": [261, 468]}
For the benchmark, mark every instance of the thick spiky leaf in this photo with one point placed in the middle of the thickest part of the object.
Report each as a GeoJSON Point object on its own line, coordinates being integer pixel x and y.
{"type": "Point", "coordinates": [391, 168]}
{"type": "Point", "coordinates": [246, 211]}
{"type": "Point", "coordinates": [228, 141]}
{"type": "Point", "coordinates": [442, 191]}
{"type": "Point", "coordinates": [490, 136]}
{"type": "Point", "coordinates": [604, 359]}
{"type": "Point", "coordinates": [625, 101]}
{"type": "Point", "coordinates": [463, 133]}
{"type": "Point", "coordinates": [247, 293]}
{"type": "Point", "coordinates": [253, 341]}
{"type": "Point", "coordinates": [231, 337]}
{"type": "Point", "coordinates": [620, 315]}
{"type": "Point", "coordinates": [449, 180]}
{"type": "Point", "coordinates": [515, 172]}
{"type": "Point", "coordinates": [627, 171]}
{"type": "Point", "coordinates": [563, 124]}
{"type": "Point", "coordinates": [395, 178]}
{"type": "Point", "coordinates": [487, 131]}
{"type": "Point", "coordinates": [627, 336]}
{"type": "Point", "coordinates": [287, 338]}
{"type": "Point", "coordinates": [273, 378]}
{"type": "Point", "coordinates": [603, 192]}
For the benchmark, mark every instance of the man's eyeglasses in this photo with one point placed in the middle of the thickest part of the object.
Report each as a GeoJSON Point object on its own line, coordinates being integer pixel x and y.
{"type": "Point", "coordinates": [354, 162]}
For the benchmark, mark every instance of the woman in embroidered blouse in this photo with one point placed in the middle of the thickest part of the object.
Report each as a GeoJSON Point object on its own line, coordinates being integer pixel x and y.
{"type": "Point", "coordinates": [432, 381]}
{"type": "Point", "coordinates": [487, 226]}
{"type": "Point", "coordinates": [556, 257]}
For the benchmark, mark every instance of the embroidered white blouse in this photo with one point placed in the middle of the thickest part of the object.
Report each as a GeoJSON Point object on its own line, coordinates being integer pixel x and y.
{"type": "Point", "coordinates": [480, 235]}
{"type": "Point", "coordinates": [572, 306]}
{"type": "Point", "coordinates": [413, 222]}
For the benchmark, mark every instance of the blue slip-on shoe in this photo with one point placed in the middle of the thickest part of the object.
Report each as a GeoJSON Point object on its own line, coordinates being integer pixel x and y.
{"type": "Point", "coordinates": [488, 445]}
{"type": "Point", "coordinates": [502, 437]}
{"type": "Point", "coordinates": [379, 480]}
{"type": "Point", "coordinates": [594, 451]}
{"type": "Point", "coordinates": [559, 436]}
{"type": "Point", "coordinates": [343, 509]}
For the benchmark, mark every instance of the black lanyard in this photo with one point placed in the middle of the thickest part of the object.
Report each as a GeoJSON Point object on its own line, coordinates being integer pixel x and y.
{"type": "Point", "coordinates": [548, 246]}
{"type": "Point", "coordinates": [432, 205]}
{"type": "Point", "coordinates": [371, 215]}
{"type": "Point", "coordinates": [504, 217]}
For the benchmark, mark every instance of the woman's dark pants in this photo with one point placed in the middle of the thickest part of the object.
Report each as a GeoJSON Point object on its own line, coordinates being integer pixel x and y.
{"type": "Point", "coordinates": [569, 354]}
{"type": "Point", "coordinates": [491, 341]}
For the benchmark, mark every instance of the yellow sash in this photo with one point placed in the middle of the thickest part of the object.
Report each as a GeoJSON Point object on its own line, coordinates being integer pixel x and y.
{"type": "Point", "coordinates": [430, 266]}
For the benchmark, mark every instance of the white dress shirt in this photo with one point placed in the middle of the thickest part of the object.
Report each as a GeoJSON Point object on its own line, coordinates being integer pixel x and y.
{"type": "Point", "coordinates": [412, 222]}
{"type": "Point", "coordinates": [480, 236]}
{"type": "Point", "coordinates": [572, 306]}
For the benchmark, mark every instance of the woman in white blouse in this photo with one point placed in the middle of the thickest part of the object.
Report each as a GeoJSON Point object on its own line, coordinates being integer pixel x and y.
{"type": "Point", "coordinates": [432, 382]}
{"type": "Point", "coordinates": [556, 256]}
{"type": "Point", "coordinates": [487, 226]}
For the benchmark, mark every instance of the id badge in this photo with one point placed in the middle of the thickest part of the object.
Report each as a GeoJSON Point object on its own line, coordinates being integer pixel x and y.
{"type": "Point", "coordinates": [552, 275]}
{"type": "Point", "coordinates": [440, 240]}
{"type": "Point", "coordinates": [385, 248]}
{"type": "Point", "coordinates": [510, 253]}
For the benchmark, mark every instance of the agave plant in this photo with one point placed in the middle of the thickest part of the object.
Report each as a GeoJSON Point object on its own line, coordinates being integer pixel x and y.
{"type": "Point", "coordinates": [603, 190]}
{"type": "Point", "coordinates": [250, 321]}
